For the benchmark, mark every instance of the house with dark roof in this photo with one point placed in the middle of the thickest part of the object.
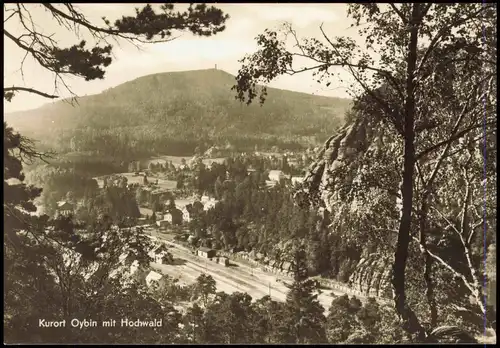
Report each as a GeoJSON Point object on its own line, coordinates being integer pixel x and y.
{"type": "Point", "coordinates": [174, 216]}
{"type": "Point", "coordinates": [223, 260]}
{"type": "Point", "coordinates": [65, 208]}
{"type": "Point", "coordinates": [286, 267]}
{"type": "Point", "coordinates": [206, 252]}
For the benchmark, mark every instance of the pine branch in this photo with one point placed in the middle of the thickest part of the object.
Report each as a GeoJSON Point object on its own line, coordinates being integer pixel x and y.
{"type": "Point", "coordinates": [30, 90]}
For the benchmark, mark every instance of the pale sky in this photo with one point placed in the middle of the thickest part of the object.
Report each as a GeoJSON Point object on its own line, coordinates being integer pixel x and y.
{"type": "Point", "coordinates": [185, 53]}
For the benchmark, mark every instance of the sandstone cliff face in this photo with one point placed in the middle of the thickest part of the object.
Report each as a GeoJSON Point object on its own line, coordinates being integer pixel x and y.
{"type": "Point", "coordinates": [349, 179]}
{"type": "Point", "coordinates": [372, 276]}
{"type": "Point", "coordinates": [354, 162]}
{"type": "Point", "coordinates": [336, 157]}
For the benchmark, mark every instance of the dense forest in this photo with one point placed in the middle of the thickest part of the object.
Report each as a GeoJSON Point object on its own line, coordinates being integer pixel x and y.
{"type": "Point", "coordinates": [250, 216]}
{"type": "Point", "coordinates": [414, 169]}
{"type": "Point", "coordinates": [173, 113]}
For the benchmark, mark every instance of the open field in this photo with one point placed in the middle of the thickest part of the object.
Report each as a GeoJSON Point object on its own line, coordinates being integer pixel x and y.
{"type": "Point", "coordinates": [162, 183]}
{"type": "Point", "coordinates": [179, 203]}
{"type": "Point", "coordinates": [139, 179]}
{"type": "Point", "coordinates": [176, 160]}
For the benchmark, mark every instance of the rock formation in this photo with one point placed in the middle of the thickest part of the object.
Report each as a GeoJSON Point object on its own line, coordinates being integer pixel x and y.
{"type": "Point", "coordinates": [372, 276]}
{"type": "Point", "coordinates": [352, 179]}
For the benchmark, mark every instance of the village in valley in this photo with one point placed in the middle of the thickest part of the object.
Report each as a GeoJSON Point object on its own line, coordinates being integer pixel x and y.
{"type": "Point", "coordinates": [172, 203]}
{"type": "Point", "coordinates": [250, 173]}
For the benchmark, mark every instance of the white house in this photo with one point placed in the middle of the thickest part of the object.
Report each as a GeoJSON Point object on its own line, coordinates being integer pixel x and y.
{"type": "Point", "coordinates": [207, 205]}
{"type": "Point", "coordinates": [158, 254]}
{"type": "Point", "coordinates": [167, 217]}
{"type": "Point", "coordinates": [185, 215]}
{"type": "Point", "coordinates": [64, 208]}
{"type": "Point", "coordinates": [276, 175]}
{"type": "Point", "coordinates": [153, 277]}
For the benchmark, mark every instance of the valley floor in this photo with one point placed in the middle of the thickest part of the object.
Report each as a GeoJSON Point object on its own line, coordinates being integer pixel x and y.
{"type": "Point", "coordinates": [237, 277]}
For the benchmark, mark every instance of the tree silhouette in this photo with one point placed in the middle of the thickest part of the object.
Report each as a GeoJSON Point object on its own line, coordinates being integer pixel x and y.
{"type": "Point", "coordinates": [303, 313]}
{"type": "Point", "coordinates": [89, 63]}
{"type": "Point", "coordinates": [398, 87]}
{"type": "Point", "coordinates": [43, 259]}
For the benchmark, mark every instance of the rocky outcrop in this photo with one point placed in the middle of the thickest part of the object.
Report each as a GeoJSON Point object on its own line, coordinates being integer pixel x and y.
{"type": "Point", "coordinates": [334, 162]}
{"type": "Point", "coordinates": [343, 162]}
{"type": "Point", "coordinates": [372, 276]}
{"type": "Point", "coordinates": [352, 179]}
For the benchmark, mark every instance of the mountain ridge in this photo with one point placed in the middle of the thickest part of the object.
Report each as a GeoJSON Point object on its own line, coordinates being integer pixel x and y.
{"type": "Point", "coordinates": [195, 105]}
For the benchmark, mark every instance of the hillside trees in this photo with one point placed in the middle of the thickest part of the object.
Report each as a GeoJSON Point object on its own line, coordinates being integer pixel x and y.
{"type": "Point", "coordinates": [303, 314]}
{"type": "Point", "coordinates": [269, 326]}
{"type": "Point", "coordinates": [194, 324]}
{"type": "Point", "coordinates": [461, 220]}
{"type": "Point", "coordinates": [49, 254]}
{"type": "Point", "coordinates": [231, 318]}
{"type": "Point", "coordinates": [50, 271]}
{"type": "Point", "coordinates": [60, 184]}
{"type": "Point", "coordinates": [134, 126]}
{"type": "Point", "coordinates": [350, 321]}
{"type": "Point", "coordinates": [205, 286]}
{"type": "Point", "coordinates": [18, 203]}
{"type": "Point", "coordinates": [435, 61]}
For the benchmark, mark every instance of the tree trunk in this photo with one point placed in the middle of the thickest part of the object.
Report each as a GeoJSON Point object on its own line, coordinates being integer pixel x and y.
{"type": "Point", "coordinates": [410, 321]}
{"type": "Point", "coordinates": [429, 293]}
{"type": "Point", "coordinates": [476, 287]}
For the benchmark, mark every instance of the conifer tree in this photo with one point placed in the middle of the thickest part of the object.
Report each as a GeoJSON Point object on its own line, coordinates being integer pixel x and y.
{"type": "Point", "coordinates": [303, 313]}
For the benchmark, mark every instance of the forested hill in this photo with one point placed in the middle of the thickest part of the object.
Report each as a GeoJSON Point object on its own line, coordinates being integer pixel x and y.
{"type": "Point", "coordinates": [174, 112]}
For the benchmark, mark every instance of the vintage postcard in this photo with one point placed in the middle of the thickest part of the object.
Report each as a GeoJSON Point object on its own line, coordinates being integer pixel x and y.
{"type": "Point", "coordinates": [276, 173]}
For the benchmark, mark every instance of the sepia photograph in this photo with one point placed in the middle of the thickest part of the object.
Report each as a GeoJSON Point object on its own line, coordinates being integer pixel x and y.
{"type": "Point", "coordinates": [250, 173]}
